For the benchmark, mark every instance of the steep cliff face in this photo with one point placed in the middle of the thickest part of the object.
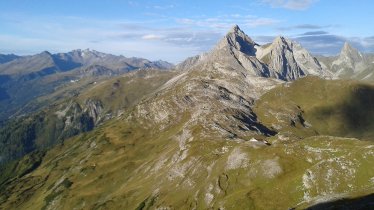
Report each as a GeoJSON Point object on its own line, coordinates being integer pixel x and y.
{"type": "Point", "coordinates": [289, 60]}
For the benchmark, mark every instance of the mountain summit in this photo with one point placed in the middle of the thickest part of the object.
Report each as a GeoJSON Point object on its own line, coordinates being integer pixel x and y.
{"type": "Point", "coordinates": [238, 40]}
{"type": "Point", "coordinates": [289, 59]}
{"type": "Point", "coordinates": [350, 55]}
{"type": "Point", "coordinates": [282, 59]}
{"type": "Point", "coordinates": [351, 64]}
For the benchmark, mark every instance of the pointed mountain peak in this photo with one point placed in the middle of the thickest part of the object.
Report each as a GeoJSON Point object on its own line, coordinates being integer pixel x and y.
{"type": "Point", "coordinates": [237, 32]}
{"type": "Point", "coordinates": [348, 48]}
{"type": "Point", "coordinates": [235, 29]}
{"type": "Point", "coordinates": [237, 39]}
{"type": "Point", "coordinates": [281, 40]}
{"type": "Point", "coordinates": [347, 45]}
{"type": "Point", "coordinates": [350, 52]}
{"type": "Point", "coordinates": [45, 53]}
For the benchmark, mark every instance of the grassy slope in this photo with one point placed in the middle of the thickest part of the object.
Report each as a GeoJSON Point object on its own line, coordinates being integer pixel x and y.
{"type": "Point", "coordinates": [45, 128]}
{"type": "Point", "coordinates": [125, 165]}
{"type": "Point", "coordinates": [337, 108]}
{"type": "Point", "coordinates": [125, 91]}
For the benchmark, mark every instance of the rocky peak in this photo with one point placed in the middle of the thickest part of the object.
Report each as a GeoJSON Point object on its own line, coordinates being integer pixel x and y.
{"type": "Point", "coordinates": [45, 54]}
{"type": "Point", "coordinates": [282, 59]}
{"type": "Point", "coordinates": [350, 53]}
{"type": "Point", "coordinates": [237, 39]}
{"type": "Point", "coordinates": [349, 57]}
{"type": "Point", "coordinates": [235, 29]}
{"type": "Point", "coordinates": [289, 59]}
{"type": "Point", "coordinates": [283, 42]}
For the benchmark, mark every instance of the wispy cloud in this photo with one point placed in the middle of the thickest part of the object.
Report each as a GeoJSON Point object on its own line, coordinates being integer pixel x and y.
{"type": "Point", "coordinates": [305, 27]}
{"type": "Point", "coordinates": [151, 37]}
{"type": "Point", "coordinates": [313, 33]}
{"type": "Point", "coordinates": [291, 4]}
{"type": "Point", "coordinates": [163, 7]}
{"type": "Point", "coordinates": [226, 21]}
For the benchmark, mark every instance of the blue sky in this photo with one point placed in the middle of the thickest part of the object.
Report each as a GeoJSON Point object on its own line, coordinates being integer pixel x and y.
{"type": "Point", "coordinates": [173, 30]}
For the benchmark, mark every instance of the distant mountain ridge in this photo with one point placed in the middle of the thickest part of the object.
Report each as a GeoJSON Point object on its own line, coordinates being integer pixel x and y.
{"type": "Point", "coordinates": [25, 78]}
{"type": "Point", "coordinates": [16, 65]}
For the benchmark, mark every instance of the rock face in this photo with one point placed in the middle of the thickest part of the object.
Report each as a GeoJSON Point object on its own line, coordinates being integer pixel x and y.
{"type": "Point", "coordinates": [189, 62]}
{"type": "Point", "coordinates": [283, 59]}
{"type": "Point", "coordinates": [289, 60]}
{"type": "Point", "coordinates": [238, 50]}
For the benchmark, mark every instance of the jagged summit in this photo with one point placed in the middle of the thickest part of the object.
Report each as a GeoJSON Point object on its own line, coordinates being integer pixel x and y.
{"type": "Point", "coordinates": [349, 57]}
{"type": "Point", "coordinates": [282, 59]}
{"type": "Point", "coordinates": [351, 53]}
{"type": "Point", "coordinates": [235, 28]}
{"type": "Point", "coordinates": [347, 46]}
{"type": "Point", "coordinates": [238, 40]}
{"type": "Point", "coordinates": [289, 60]}
{"type": "Point", "coordinates": [281, 40]}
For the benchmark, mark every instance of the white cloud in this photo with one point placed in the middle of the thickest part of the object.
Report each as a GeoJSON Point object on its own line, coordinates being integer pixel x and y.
{"type": "Point", "coordinates": [291, 4]}
{"type": "Point", "coordinates": [121, 37]}
{"type": "Point", "coordinates": [151, 37]}
{"type": "Point", "coordinates": [256, 22]}
{"type": "Point", "coordinates": [163, 7]}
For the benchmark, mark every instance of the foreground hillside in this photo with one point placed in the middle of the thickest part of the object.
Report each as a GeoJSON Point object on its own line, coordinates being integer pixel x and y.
{"type": "Point", "coordinates": [130, 163]}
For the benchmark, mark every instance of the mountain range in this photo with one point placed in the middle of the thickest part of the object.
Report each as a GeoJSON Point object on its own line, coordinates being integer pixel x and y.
{"type": "Point", "coordinates": [25, 78]}
{"type": "Point", "coordinates": [243, 126]}
{"type": "Point", "coordinates": [285, 59]}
